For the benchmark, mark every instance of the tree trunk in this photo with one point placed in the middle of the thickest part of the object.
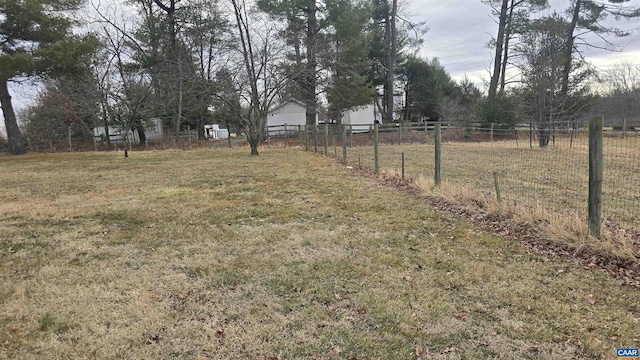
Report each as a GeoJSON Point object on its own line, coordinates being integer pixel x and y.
{"type": "Point", "coordinates": [141, 134]}
{"type": "Point", "coordinates": [390, 44]}
{"type": "Point", "coordinates": [180, 94]}
{"type": "Point", "coordinates": [568, 48]}
{"type": "Point", "coordinates": [254, 148]}
{"type": "Point", "coordinates": [543, 137]}
{"type": "Point", "coordinates": [497, 61]}
{"type": "Point", "coordinates": [407, 103]}
{"type": "Point", "coordinates": [17, 145]}
{"type": "Point", "coordinates": [505, 57]}
{"type": "Point", "coordinates": [200, 127]}
{"type": "Point", "coordinates": [311, 66]}
{"type": "Point", "coordinates": [253, 140]}
{"type": "Point", "coordinates": [105, 119]}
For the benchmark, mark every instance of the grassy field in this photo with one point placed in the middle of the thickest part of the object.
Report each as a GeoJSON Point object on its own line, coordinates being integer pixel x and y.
{"type": "Point", "coordinates": [213, 254]}
{"type": "Point", "coordinates": [553, 178]}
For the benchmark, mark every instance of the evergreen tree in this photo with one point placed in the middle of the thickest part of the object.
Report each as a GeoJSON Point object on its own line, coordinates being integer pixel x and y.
{"type": "Point", "coordinates": [36, 41]}
{"type": "Point", "coordinates": [588, 15]}
{"type": "Point", "coordinates": [348, 63]}
{"type": "Point", "coordinates": [426, 84]}
{"type": "Point", "coordinates": [512, 18]}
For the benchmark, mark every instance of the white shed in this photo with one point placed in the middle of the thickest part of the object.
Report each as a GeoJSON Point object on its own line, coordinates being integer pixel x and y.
{"type": "Point", "coordinates": [214, 132]}
{"type": "Point", "coordinates": [359, 118]}
{"type": "Point", "coordinates": [152, 130]}
{"type": "Point", "coordinates": [292, 113]}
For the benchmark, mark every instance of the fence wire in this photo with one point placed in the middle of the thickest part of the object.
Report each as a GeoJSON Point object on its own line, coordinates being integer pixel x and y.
{"type": "Point", "coordinates": [554, 177]}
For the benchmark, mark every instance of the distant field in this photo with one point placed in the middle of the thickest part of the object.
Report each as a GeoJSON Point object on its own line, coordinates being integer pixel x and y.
{"type": "Point", "coordinates": [215, 254]}
{"type": "Point", "coordinates": [554, 178]}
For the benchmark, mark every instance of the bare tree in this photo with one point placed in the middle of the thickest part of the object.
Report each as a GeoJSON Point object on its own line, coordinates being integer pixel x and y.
{"type": "Point", "coordinates": [127, 89]}
{"type": "Point", "coordinates": [622, 96]}
{"type": "Point", "coordinates": [260, 52]}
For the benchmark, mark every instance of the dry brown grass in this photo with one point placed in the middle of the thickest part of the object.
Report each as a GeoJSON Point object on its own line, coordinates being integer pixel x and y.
{"type": "Point", "coordinates": [216, 254]}
{"type": "Point", "coordinates": [567, 229]}
{"type": "Point", "coordinates": [553, 179]}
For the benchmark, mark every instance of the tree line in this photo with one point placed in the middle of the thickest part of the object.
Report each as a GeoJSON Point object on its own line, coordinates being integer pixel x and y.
{"type": "Point", "coordinates": [195, 62]}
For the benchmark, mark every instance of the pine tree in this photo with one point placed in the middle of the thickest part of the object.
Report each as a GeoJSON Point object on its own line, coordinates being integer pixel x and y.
{"type": "Point", "coordinates": [36, 41]}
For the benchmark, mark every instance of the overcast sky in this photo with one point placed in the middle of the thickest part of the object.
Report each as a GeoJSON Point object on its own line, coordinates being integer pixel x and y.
{"type": "Point", "coordinates": [458, 34]}
{"type": "Point", "coordinates": [459, 31]}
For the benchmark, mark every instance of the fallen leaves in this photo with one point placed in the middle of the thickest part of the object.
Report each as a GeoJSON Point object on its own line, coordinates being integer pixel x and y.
{"type": "Point", "coordinates": [530, 235]}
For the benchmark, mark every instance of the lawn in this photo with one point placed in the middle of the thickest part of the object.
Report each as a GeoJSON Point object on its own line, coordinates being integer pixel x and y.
{"type": "Point", "coordinates": [213, 254]}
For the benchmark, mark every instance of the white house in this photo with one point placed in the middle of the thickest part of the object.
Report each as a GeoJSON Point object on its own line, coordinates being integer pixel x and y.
{"type": "Point", "coordinates": [359, 118]}
{"type": "Point", "coordinates": [292, 113]}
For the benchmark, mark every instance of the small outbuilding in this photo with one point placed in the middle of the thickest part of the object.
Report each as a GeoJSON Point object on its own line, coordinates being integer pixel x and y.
{"type": "Point", "coordinates": [359, 118]}
{"type": "Point", "coordinates": [292, 113]}
{"type": "Point", "coordinates": [152, 131]}
{"type": "Point", "coordinates": [215, 132]}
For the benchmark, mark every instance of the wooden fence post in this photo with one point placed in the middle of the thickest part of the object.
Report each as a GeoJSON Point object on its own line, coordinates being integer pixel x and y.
{"type": "Point", "coordinates": [326, 139]}
{"type": "Point", "coordinates": [189, 137]}
{"type": "Point", "coordinates": [375, 148]}
{"type": "Point", "coordinates": [69, 136]}
{"type": "Point", "coordinates": [285, 135]}
{"type": "Point", "coordinates": [344, 143]}
{"type": "Point", "coordinates": [306, 137]}
{"type": "Point", "coordinates": [438, 152]}
{"type": "Point", "coordinates": [268, 137]}
{"type": "Point", "coordinates": [491, 133]}
{"type": "Point", "coordinates": [573, 133]}
{"type": "Point", "coordinates": [315, 140]}
{"type": "Point", "coordinates": [335, 151]}
{"type": "Point", "coordinates": [496, 184]}
{"type": "Point", "coordinates": [426, 131]}
{"type": "Point", "coordinates": [350, 135]}
{"type": "Point", "coordinates": [595, 175]}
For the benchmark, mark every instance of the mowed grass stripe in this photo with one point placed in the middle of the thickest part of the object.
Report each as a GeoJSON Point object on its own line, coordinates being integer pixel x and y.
{"type": "Point", "coordinates": [216, 254]}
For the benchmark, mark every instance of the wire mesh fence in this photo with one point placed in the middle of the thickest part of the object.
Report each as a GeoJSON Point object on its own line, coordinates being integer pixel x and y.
{"type": "Point", "coordinates": [554, 177]}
